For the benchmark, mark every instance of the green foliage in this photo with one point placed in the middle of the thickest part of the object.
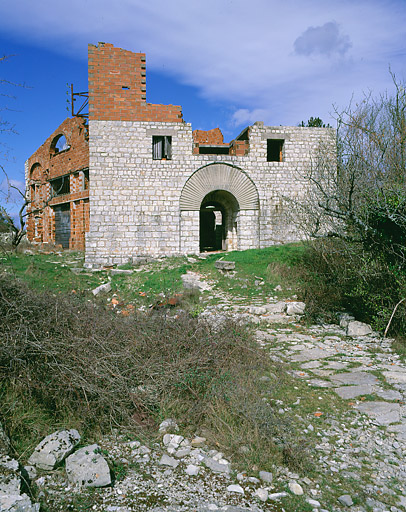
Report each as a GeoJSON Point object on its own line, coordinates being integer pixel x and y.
{"type": "Point", "coordinates": [314, 122]}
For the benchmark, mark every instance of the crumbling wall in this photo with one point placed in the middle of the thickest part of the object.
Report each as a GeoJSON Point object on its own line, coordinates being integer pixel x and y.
{"type": "Point", "coordinates": [49, 163]}
{"type": "Point", "coordinates": [117, 88]}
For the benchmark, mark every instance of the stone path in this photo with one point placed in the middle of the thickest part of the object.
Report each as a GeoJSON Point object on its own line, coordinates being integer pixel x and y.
{"type": "Point", "coordinates": [363, 371]}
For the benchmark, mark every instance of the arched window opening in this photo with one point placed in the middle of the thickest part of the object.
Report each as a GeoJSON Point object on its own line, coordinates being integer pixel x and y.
{"type": "Point", "coordinates": [59, 144]}
{"type": "Point", "coordinates": [35, 172]}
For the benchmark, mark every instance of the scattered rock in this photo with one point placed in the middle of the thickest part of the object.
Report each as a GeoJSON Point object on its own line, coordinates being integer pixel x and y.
{"type": "Point", "coordinates": [54, 448]}
{"type": "Point", "coordinates": [192, 470]}
{"type": "Point", "coordinates": [295, 308]}
{"type": "Point", "coordinates": [87, 467]}
{"type": "Point", "coordinates": [168, 425]}
{"type": "Point", "coordinates": [215, 466]}
{"type": "Point", "coordinates": [120, 272]}
{"type": "Point", "coordinates": [166, 460]}
{"type": "Point", "coordinates": [266, 476]}
{"type": "Point", "coordinates": [355, 328]}
{"type": "Point", "coordinates": [224, 265]}
{"type": "Point", "coordinates": [17, 503]}
{"type": "Point", "coordinates": [262, 494]}
{"type": "Point", "coordinates": [192, 281]}
{"type": "Point", "coordinates": [103, 288]}
{"type": "Point", "coordinates": [295, 488]}
{"type": "Point", "coordinates": [278, 495]}
{"type": "Point", "coordinates": [10, 480]}
{"type": "Point", "coordinates": [346, 500]}
{"type": "Point", "coordinates": [277, 308]}
{"type": "Point", "coordinates": [235, 488]}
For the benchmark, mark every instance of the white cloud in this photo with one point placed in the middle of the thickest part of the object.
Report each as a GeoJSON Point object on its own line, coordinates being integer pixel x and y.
{"type": "Point", "coordinates": [266, 56]}
{"type": "Point", "coordinates": [244, 116]}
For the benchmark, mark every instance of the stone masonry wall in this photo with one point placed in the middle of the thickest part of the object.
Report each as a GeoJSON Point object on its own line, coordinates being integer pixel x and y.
{"type": "Point", "coordinates": [135, 199]}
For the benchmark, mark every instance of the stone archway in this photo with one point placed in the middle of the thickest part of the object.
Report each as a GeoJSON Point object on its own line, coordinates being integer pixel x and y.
{"type": "Point", "coordinates": [229, 193]}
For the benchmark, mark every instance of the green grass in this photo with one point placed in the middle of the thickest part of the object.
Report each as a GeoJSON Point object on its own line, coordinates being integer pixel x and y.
{"type": "Point", "coordinates": [50, 271]}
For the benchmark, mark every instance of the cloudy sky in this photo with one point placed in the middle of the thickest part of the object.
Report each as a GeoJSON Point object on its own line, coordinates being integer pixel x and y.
{"type": "Point", "coordinates": [229, 63]}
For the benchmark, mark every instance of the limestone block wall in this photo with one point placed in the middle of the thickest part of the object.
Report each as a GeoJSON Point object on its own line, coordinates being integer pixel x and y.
{"type": "Point", "coordinates": [135, 200]}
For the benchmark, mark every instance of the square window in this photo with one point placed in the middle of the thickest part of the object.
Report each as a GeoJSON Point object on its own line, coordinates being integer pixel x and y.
{"type": "Point", "coordinates": [274, 150]}
{"type": "Point", "coordinates": [162, 147]}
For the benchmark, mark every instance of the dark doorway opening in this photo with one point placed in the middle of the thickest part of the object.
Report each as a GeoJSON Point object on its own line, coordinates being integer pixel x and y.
{"type": "Point", "coordinates": [218, 224]}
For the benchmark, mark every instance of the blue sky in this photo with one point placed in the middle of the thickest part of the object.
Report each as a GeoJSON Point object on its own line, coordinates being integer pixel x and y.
{"type": "Point", "coordinates": [229, 63]}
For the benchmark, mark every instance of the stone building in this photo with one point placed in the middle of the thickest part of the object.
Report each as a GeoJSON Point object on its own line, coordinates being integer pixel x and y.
{"type": "Point", "coordinates": [156, 186]}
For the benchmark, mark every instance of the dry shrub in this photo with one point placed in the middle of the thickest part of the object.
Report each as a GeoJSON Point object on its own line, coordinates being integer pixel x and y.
{"type": "Point", "coordinates": [65, 362]}
{"type": "Point", "coordinates": [80, 363]}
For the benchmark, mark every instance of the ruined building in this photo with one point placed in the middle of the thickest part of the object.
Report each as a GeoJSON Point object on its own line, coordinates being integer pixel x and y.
{"type": "Point", "coordinates": [136, 180]}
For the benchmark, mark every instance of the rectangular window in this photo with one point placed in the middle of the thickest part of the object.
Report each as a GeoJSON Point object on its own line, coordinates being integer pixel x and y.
{"type": "Point", "coordinates": [162, 147]}
{"type": "Point", "coordinates": [274, 150]}
{"type": "Point", "coordinates": [60, 186]}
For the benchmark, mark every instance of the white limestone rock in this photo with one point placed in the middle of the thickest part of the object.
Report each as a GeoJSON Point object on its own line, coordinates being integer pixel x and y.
{"type": "Point", "coordinates": [168, 425]}
{"type": "Point", "coordinates": [277, 308]}
{"type": "Point", "coordinates": [261, 494]}
{"type": "Point", "coordinates": [17, 503]}
{"type": "Point", "coordinates": [10, 480]}
{"type": "Point", "coordinates": [295, 488]}
{"type": "Point", "coordinates": [216, 466]}
{"type": "Point", "coordinates": [266, 476]}
{"type": "Point", "coordinates": [103, 288]}
{"type": "Point", "coordinates": [87, 467]}
{"type": "Point", "coordinates": [192, 470]}
{"type": "Point", "coordinates": [356, 328]}
{"type": "Point", "coordinates": [235, 488]}
{"type": "Point", "coordinates": [295, 308]}
{"type": "Point", "coordinates": [54, 448]}
{"type": "Point", "coordinates": [166, 460]}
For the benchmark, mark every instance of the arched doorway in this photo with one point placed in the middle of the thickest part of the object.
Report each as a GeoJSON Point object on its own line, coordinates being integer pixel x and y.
{"type": "Point", "coordinates": [233, 199]}
{"type": "Point", "coordinates": [218, 222]}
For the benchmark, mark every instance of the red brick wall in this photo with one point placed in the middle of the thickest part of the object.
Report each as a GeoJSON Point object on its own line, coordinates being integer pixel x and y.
{"type": "Point", "coordinates": [46, 164]}
{"type": "Point", "coordinates": [117, 87]}
{"type": "Point", "coordinates": [208, 137]}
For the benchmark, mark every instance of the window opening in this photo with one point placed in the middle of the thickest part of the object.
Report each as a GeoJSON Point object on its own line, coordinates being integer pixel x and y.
{"type": "Point", "coordinates": [85, 182]}
{"type": "Point", "coordinates": [60, 186]}
{"type": "Point", "coordinates": [162, 147]}
{"type": "Point", "coordinates": [60, 144]}
{"type": "Point", "coordinates": [274, 150]}
{"type": "Point", "coordinates": [214, 150]}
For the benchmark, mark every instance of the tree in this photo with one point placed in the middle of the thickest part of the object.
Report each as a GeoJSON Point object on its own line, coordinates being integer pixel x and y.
{"type": "Point", "coordinates": [358, 186]}
{"type": "Point", "coordinates": [355, 209]}
{"type": "Point", "coordinates": [314, 122]}
{"type": "Point", "coordinates": [7, 223]}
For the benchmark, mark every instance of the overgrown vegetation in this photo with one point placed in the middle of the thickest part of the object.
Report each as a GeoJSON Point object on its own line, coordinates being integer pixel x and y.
{"type": "Point", "coordinates": [68, 362]}
{"type": "Point", "coordinates": [356, 209]}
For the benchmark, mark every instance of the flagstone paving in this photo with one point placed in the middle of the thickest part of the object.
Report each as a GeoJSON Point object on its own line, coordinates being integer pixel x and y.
{"type": "Point", "coordinates": [364, 372]}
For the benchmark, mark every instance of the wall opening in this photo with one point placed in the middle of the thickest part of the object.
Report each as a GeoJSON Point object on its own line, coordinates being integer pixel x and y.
{"type": "Point", "coordinates": [274, 150]}
{"type": "Point", "coordinates": [62, 225]}
{"type": "Point", "coordinates": [218, 222]}
{"type": "Point", "coordinates": [59, 144]}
